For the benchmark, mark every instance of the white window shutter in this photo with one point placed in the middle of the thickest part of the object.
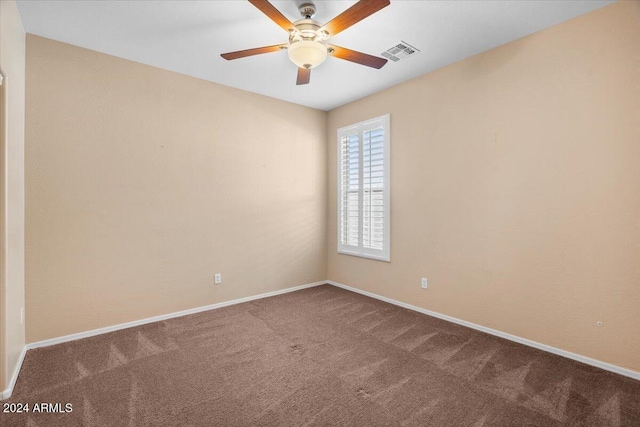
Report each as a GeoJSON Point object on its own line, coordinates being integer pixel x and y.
{"type": "Point", "coordinates": [350, 190]}
{"type": "Point", "coordinates": [363, 189]}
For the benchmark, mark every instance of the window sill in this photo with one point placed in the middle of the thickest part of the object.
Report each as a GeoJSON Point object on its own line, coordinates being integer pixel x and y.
{"type": "Point", "coordinates": [373, 257]}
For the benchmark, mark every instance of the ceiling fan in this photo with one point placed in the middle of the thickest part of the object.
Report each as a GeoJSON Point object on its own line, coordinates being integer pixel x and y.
{"type": "Point", "coordinates": [307, 45]}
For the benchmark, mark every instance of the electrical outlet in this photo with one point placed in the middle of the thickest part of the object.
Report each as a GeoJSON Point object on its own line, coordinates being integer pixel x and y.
{"type": "Point", "coordinates": [424, 283]}
{"type": "Point", "coordinates": [22, 315]}
{"type": "Point", "coordinates": [218, 278]}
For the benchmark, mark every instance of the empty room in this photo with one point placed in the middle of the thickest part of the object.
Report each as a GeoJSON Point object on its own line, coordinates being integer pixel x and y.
{"type": "Point", "coordinates": [320, 213]}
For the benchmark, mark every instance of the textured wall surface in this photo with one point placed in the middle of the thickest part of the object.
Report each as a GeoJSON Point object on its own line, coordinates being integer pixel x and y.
{"type": "Point", "coordinates": [143, 183]}
{"type": "Point", "coordinates": [515, 188]}
{"type": "Point", "coordinates": [12, 64]}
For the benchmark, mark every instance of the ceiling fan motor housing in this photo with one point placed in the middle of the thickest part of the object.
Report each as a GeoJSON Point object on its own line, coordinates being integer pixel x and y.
{"type": "Point", "coordinates": [308, 29]}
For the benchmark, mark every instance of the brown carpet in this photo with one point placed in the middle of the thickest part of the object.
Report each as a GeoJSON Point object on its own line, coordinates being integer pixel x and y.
{"type": "Point", "coordinates": [317, 357]}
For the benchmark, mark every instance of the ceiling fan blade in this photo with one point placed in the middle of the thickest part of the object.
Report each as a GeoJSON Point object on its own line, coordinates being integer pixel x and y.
{"type": "Point", "coordinates": [357, 57]}
{"type": "Point", "coordinates": [273, 13]}
{"type": "Point", "coordinates": [304, 75]}
{"type": "Point", "coordinates": [249, 52]}
{"type": "Point", "coordinates": [354, 14]}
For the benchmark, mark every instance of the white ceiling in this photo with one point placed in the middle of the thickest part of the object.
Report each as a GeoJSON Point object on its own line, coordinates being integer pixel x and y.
{"type": "Point", "coordinates": [189, 36]}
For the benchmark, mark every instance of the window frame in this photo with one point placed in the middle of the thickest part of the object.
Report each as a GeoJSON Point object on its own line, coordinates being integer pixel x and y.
{"type": "Point", "coordinates": [359, 129]}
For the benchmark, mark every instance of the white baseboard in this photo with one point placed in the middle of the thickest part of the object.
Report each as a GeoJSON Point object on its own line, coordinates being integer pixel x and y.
{"type": "Point", "coordinates": [107, 329]}
{"type": "Point", "coordinates": [14, 377]}
{"type": "Point", "coordinates": [586, 360]}
{"type": "Point", "coordinates": [45, 343]}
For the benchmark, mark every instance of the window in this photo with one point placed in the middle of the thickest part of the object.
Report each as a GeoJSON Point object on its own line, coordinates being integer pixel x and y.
{"type": "Point", "coordinates": [363, 189]}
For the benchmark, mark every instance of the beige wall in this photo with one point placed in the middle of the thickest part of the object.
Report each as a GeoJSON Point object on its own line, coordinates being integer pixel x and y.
{"type": "Point", "coordinates": [516, 188]}
{"type": "Point", "coordinates": [143, 183]}
{"type": "Point", "coordinates": [12, 65]}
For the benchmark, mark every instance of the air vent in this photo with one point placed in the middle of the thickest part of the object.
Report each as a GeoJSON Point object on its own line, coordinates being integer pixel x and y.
{"type": "Point", "coordinates": [400, 51]}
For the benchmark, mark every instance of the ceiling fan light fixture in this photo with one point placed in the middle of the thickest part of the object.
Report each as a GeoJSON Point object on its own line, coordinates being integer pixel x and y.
{"type": "Point", "coordinates": [307, 53]}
